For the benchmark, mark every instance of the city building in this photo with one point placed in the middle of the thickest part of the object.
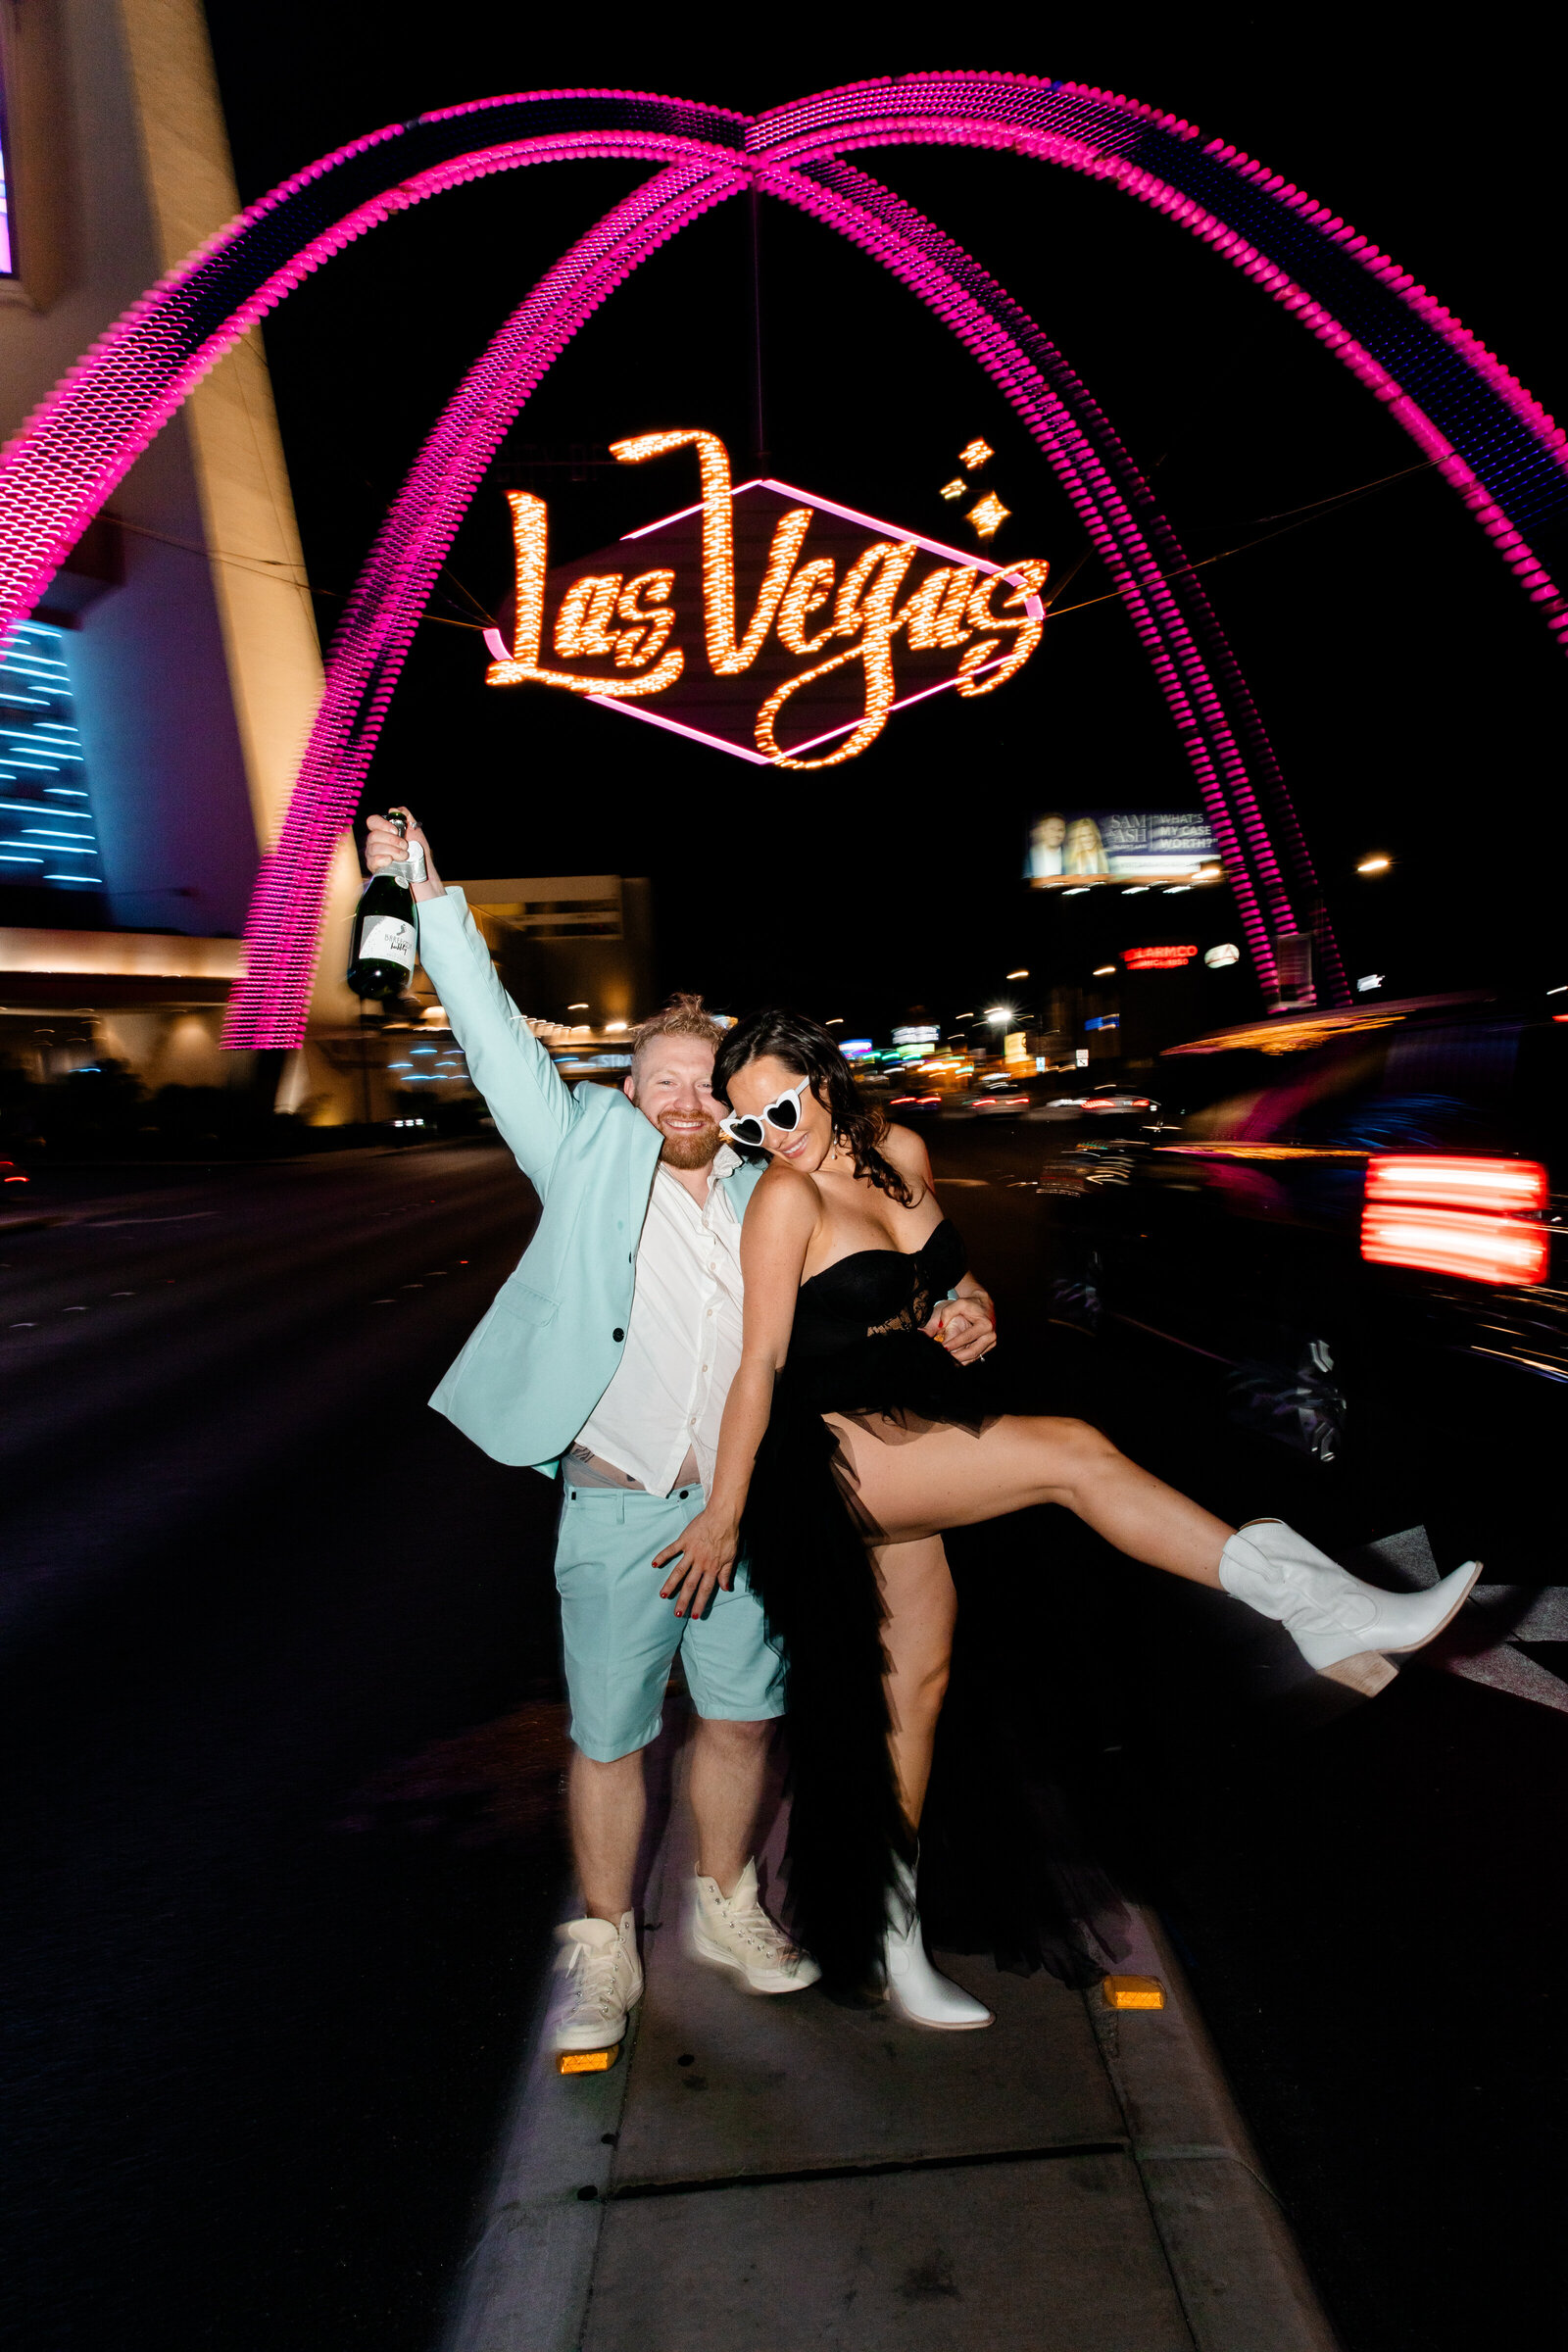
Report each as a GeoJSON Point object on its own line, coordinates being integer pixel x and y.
{"type": "Point", "coordinates": [574, 948]}
{"type": "Point", "coordinates": [154, 706]}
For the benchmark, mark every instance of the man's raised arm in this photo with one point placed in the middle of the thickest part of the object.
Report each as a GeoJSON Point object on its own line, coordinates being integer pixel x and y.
{"type": "Point", "coordinates": [532, 1107]}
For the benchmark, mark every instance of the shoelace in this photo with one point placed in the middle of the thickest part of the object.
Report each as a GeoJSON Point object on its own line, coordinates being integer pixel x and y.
{"type": "Point", "coordinates": [760, 1931]}
{"type": "Point", "coordinates": [591, 1980]}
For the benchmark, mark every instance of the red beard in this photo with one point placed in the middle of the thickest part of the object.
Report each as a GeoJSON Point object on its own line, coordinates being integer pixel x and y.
{"type": "Point", "coordinates": [691, 1150]}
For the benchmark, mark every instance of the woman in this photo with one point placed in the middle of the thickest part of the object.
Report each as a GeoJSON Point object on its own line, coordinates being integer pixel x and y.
{"type": "Point", "coordinates": [1085, 849]}
{"type": "Point", "coordinates": [857, 1427]}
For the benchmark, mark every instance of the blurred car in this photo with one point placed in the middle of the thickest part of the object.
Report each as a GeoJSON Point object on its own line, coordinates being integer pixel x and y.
{"type": "Point", "coordinates": [908, 1105]}
{"type": "Point", "coordinates": [1108, 1110]}
{"type": "Point", "coordinates": [10, 1173]}
{"type": "Point", "coordinates": [1359, 1234]}
{"type": "Point", "coordinates": [1001, 1102]}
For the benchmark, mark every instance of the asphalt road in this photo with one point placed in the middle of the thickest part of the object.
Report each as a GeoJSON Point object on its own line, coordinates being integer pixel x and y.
{"type": "Point", "coordinates": [268, 1941]}
{"type": "Point", "coordinates": [283, 1737]}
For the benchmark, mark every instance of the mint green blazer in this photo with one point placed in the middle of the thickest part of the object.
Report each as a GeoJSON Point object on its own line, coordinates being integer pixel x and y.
{"type": "Point", "coordinates": [538, 1363]}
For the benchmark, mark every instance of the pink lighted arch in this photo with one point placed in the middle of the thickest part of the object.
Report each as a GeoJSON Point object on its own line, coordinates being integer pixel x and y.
{"type": "Point", "coordinates": [1484, 432]}
{"type": "Point", "coordinates": [268, 1007]}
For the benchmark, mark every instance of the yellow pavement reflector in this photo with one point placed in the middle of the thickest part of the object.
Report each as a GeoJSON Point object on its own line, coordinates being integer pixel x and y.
{"type": "Point", "coordinates": [587, 2062]}
{"type": "Point", "coordinates": [1133, 1992]}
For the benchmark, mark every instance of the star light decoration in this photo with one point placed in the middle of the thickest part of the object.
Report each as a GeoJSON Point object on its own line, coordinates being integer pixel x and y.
{"type": "Point", "coordinates": [988, 514]}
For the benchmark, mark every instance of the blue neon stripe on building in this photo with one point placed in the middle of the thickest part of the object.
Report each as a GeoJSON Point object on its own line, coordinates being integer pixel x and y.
{"type": "Point", "coordinates": [38, 747]}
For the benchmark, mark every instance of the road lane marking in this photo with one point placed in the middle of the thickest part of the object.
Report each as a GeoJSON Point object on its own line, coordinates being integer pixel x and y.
{"type": "Point", "coordinates": [1514, 1672]}
{"type": "Point", "coordinates": [187, 1217]}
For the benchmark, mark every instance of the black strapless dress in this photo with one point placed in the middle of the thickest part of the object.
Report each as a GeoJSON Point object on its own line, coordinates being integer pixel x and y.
{"type": "Point", "coordinates": [995, 1869]}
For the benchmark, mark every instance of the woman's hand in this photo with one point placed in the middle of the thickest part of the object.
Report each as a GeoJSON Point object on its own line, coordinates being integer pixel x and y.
{"type": "Point", "coordinates": [966, 1327]}
{"type": "Point", "coordinates": [386, 846]}
{"type": "Point", "coordinates": [706, 1547]}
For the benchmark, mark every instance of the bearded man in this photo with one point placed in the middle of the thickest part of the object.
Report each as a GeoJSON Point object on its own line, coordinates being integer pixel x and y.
{"type": "Point", "coordinates": [604, 1359]}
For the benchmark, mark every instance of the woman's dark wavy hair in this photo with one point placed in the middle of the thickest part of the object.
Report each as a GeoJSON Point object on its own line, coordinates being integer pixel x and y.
{"type": "Point", "coordinates": [805, 1046]}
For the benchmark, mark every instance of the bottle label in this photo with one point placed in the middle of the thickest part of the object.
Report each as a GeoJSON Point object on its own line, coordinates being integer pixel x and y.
{"type": "Point", "coordinates": [387, 939]}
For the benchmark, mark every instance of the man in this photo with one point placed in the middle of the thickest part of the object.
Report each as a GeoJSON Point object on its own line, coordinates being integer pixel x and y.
{"type": "Point", "coordinates": [607, 1354]}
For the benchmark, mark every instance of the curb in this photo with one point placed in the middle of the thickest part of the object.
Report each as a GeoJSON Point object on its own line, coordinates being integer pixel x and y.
{"type": "Point", "coordinates": [1235, 2264]}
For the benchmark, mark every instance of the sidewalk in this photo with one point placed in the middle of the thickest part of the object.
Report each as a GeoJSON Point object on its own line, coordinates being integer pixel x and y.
{"type": "Point", "coordinates": [774, 2175]}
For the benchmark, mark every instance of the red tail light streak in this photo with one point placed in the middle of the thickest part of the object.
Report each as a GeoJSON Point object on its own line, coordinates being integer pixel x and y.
{"type": "Point", "coordinates": [1464, 1217]}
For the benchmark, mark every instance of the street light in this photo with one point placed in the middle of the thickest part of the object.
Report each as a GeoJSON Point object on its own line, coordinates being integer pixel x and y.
{"type": "Point", "coordinates": [1104, 971]}
{"type": "Point", "coordinates": [1375, 865]}
{"type": "Point", "coordinates": [1018, 975]}
{"type": "Point", "coordinates": [998, 1015]}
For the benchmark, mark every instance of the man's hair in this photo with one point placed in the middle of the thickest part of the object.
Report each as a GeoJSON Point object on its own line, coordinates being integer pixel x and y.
{"type": "Point", "coordinates": [683, 1016]}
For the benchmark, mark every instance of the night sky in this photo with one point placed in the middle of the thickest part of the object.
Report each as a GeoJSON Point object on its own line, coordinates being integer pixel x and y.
{"type": "Point", "coordinates": [1414, 700]}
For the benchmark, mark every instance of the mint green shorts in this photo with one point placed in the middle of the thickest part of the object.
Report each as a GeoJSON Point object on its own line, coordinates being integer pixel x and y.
{"type": "Point", "coordinates": [620, 1639]}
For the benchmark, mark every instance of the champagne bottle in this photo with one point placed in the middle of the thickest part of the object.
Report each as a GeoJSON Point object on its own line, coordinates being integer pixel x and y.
{"type": "Point", "coordinates": [386, 927]}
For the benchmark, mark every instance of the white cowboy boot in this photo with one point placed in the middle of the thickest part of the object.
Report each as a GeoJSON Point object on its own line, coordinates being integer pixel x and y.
{"type": "Point", "coordinates": [604, 1979]}
{"type": "Point", "coordinates": [735, 1932]}
{"type": "Point", "coordinates": [915, 1988]}
{"type": "Point", "coordinates": [1340, 1625]}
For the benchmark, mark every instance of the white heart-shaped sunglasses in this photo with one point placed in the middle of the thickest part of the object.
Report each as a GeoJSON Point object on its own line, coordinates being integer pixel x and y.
{"type": "Point", "coordinates": [782, 1113]}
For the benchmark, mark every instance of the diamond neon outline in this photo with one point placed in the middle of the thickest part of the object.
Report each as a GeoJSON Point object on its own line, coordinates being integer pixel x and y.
{"type": "Point", "coordinates": [1033, 607]}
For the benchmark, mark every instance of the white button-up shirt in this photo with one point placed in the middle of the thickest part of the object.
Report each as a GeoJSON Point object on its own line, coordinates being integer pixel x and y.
{"type": "Point", "coordinates": [683, 1337]}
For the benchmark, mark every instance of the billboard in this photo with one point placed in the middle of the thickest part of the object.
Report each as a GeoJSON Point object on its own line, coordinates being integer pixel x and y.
{"type": "Point", "coordinates": [1075, 848]}
{"type": "Point", "coordinates": [1158, 960]}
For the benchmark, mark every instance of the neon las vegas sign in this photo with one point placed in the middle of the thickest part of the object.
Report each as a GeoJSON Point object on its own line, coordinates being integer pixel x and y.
{"type": "Point", "coordinates": [845, 625]}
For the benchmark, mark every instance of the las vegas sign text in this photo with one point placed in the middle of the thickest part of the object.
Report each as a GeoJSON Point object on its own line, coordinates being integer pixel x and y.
{"type": "Point", "coordinates": [812, 631]}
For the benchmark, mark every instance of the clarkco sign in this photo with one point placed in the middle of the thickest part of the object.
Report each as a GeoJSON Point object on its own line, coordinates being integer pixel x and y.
{"type": "Point", "coordinates": [761, 619]}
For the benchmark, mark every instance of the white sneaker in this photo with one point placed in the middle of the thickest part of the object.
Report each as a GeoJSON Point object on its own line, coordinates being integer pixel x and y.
{"type": "Point", "coordinates": [735, 1932]}
{"type": "Point", "coordinates": [604, 1979]}
{"type": "Point", "coordinates": [917, 1990]}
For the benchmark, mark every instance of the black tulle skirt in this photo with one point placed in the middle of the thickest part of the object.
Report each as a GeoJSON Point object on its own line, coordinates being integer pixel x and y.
{"type": "Point", "coordinates": [998, 1864]}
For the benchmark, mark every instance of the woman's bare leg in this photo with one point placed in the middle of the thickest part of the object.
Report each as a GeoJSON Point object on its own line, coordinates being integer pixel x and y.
{"type": "Point", "coordinates": [913, 1485]}
{"type": "Point", "coordinates": [918, 1638]}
